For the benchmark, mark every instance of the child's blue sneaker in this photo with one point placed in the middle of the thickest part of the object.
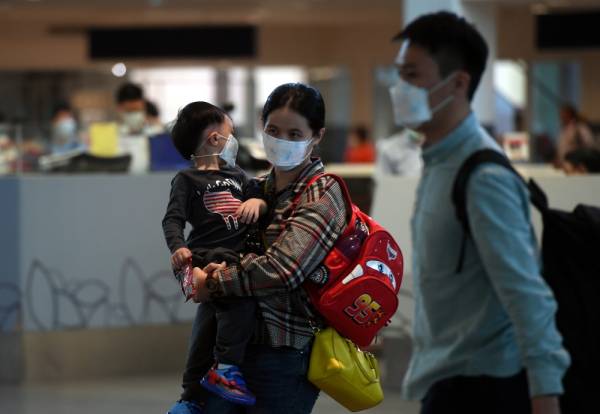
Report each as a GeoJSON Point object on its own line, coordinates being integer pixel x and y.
{"type": "Point", "coordinates": [185, 407]}
{"type": "Point", "coordinates": [228, 383]}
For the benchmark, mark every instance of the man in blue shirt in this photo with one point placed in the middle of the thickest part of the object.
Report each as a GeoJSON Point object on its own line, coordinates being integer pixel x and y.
{"type": "Point", "coordinates": [485, 340]}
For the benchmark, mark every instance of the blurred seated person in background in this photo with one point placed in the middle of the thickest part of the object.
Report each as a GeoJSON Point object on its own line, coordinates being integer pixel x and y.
{"type": "Point", "coordinates": [65, 133]}
{"type": "Point", "coordinates": [574, 133]}
{"type": "Point", "coordinates": [400, 154]}
{"type": "Point", "coordinates": [582, 161]}
{"type": "Point", "coordinates": [360, 148]}
{"type": "Point", "coordinates": [153, 124]}
{"type": "Point", "coordinates": [8, 152]}
{"type": "Point", "coordinates": [228, 107]}
{"type": "Point", "coordinates": [132, 109]}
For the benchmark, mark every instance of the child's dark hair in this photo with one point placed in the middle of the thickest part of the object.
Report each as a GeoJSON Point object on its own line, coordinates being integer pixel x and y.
{"type": "Point", "coordinates": [453, 43]}
{"type": "Point", "coordinates": [304, 99]}
{"type": "Point", "coordinates": [191, 122]}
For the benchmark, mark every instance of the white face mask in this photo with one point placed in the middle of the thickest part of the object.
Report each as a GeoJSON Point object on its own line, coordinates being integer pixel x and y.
{"type": "Point", "coordinates": [283, 154]}
{"type": "Point", "coordinates": [411, 103]}
{"type": "Point", "coordinates": [65, 129]}
{"type": "Point", "coordinates": [134, 120]}
{"type": "Point", "coordinates": [227, 154]}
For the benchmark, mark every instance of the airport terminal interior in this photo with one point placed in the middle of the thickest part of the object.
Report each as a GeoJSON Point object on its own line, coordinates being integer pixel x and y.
{"type": "Point", "coordinates": [91, 318]}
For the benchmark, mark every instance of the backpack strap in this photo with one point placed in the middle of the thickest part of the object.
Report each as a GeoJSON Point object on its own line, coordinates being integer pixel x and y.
{"type": "Point", "coordinates": [459, 189]}
{"type": "Point", "coordinates": [342, 184]}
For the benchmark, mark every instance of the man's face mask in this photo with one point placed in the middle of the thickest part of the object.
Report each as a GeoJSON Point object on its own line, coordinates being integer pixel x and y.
{"type": "Point", "coordinates": [65, 129]}
{"type": "Point", "coordinates": [286, 155]}
{"type": "Point", "coordinates": [227, 154]}
{"type": "Point", "coordinates": [411, 103]}
{"type": "Point", "coordinates": [134, 120]}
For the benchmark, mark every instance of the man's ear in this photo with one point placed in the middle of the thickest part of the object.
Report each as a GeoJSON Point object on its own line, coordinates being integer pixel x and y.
{"type": "Point", "coordinates": [462, 82]}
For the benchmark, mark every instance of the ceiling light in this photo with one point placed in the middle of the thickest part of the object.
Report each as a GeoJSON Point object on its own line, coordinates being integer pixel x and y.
{"type": "Point", "coordinates": [119, 69]}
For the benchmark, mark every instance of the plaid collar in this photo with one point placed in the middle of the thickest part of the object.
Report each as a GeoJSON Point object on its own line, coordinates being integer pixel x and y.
{"type": "Point", "coordinates": [299, 184]}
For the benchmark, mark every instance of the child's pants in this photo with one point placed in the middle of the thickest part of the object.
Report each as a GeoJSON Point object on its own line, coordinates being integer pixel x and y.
{"type": "Point", "coordinates": [222, 328]}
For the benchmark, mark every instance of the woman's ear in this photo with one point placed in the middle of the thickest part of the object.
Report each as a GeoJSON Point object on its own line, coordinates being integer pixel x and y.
{"type": "Point", "coordinates": [319, 136]}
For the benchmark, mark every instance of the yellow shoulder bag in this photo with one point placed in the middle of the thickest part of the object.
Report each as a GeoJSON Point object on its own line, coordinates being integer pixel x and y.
{"type": "Point", "coordinates": [344, 372]}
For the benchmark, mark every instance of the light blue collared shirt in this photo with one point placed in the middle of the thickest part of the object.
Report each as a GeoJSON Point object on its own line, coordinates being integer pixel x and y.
{"type": "Point", "coordinates": [496, 316]}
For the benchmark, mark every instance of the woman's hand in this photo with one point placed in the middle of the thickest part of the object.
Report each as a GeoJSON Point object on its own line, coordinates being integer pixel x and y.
{"type": "Point", "coordinates": [211, 267]}
{"type": "Point", "coordinates": [199, 284]}
{"type": "Point", "coordinates": [181, 257]}
{"type": "Point", "coordinates": [250, 210]}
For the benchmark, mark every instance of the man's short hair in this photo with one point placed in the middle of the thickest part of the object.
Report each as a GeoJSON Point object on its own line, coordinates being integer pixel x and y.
{"type": "Point", "coordinates": [151, 109]}
{"type": "Point", "coordinates": [129, 92]}
{"type": "Point", "coordinates": [453, 42]}
{"type": "Point", "coordinates": [589, 158]}
{"type": "Point", "coordinates": [60, 107]}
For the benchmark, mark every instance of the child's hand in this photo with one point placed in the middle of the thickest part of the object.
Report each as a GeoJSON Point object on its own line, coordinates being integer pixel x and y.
{"type": "Point", "coordinates": [181, 257]}
{"type": "Point", "coordinates": [250, 210]}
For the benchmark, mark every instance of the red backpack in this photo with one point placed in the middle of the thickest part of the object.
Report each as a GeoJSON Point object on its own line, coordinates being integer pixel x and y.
{"type": "Point", "coordinates": [362, 274]}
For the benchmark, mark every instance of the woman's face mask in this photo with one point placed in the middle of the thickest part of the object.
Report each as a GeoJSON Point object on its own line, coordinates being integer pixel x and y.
{"type": "Point", "coordinates": [284, 154]}
{"type": "Point", "coordinates": [411, 103]}
{"type": "Point", "coordinates": [227, 154]}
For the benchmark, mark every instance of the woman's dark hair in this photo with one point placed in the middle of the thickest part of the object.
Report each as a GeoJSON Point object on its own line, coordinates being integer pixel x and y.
{"type": "Point", "coordinates": [191, 122]}
{"type": "Point", "coordinates": [304, 99]}
{"type": "Point", "coordinates": [453, 43]}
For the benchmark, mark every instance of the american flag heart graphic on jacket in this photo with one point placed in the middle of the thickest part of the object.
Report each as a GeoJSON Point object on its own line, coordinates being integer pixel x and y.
{"type": "Point", "coordinates": [224, 204]}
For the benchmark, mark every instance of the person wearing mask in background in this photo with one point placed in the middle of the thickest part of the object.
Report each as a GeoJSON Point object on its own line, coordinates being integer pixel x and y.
{"type": "Point", "coordinates": [65, 133]}
{"type": "Point", "coordinates": [484, 336]}
{"type": "Point", "coordinates": [574, 133]}
{"type": "Point", "coordinates": [582, 161]}
{"type": "Point", "coordinates": [400, 154]}
{"type": "Point", "coordinates": [153, 124]}
{"type": "Point", "coordinates": [360, 148]}
{"type": "Point", "coordinates": [131, 107]}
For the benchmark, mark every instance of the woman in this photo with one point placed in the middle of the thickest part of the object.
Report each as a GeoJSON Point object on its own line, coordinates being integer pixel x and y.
{"type": "Point", "coordinates": [297, 239]}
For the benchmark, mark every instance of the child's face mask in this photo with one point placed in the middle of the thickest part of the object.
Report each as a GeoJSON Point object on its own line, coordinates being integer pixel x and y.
{"type": "Point", "coordinates": [227, 154]}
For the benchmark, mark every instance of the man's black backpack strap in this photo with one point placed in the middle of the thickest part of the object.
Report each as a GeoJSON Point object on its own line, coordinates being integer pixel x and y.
{"type": "Point", "coordinates": [459, 189]}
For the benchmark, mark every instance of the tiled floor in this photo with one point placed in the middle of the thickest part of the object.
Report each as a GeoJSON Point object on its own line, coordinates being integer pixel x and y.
{"type": "Point", "coordinates": [147, 395]}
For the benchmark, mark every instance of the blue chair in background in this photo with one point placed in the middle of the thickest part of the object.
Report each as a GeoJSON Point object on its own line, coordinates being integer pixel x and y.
{"type": "Point", "coordinates": [164, 155]}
